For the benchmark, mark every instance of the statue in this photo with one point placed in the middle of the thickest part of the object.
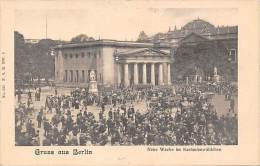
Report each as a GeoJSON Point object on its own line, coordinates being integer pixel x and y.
{"type": "Point", "coordinates": [216, 77]}
{"type": "Point", "coordinates": [92, 75]}
{"type": "Point", "coordinates": [93, 82]}
{"type": "Point", "coordinates": [187, 80]}
{"type": "Point", "coordinates": [215, 71]}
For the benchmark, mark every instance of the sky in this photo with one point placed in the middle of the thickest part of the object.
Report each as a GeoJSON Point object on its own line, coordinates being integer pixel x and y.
{"type": "Point", "coordinates": [113, 22]}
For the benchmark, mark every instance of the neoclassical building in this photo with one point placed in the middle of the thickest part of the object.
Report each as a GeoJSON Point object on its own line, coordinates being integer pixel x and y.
{"type": "Point", "coordinates": [195, 49]}
{"type": "Point", "coordinates": [115, 62]}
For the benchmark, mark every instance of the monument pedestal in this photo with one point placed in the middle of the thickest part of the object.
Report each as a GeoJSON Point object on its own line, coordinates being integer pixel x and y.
{"type": "Point", "coordinates": [93, 82]}
{"type": "Point", "coordinates": [216, 78]}
{"type": "Point", "coordinates": [93, 87]}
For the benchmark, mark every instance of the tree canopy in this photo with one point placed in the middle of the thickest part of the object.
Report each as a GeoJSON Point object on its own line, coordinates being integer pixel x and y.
{"type": "Point", "coordinates": [202, 58]}
{"type": "Point", "coordinates": [81, 38]}
{"type": "Point", "coordinates": [142, 37]}
{"type": "Point", "coordinates": [33, 59]}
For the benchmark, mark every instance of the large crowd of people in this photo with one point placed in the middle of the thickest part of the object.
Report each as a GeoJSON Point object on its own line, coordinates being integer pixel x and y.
{"type": "Point", "coordinates": [177, 115]}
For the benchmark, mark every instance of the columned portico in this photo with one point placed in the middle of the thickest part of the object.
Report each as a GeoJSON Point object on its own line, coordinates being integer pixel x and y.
{"type": "Point", "coordinates": [132, 71]}
{"type": "Point", "coordinates": [148, 66]}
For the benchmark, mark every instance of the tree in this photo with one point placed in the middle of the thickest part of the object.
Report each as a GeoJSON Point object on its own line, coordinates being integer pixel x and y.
{"type": "Point", "coordinates": [21, 52]}
{"type": "Point", "coordinates": [203, 57]}
{"type": "Point", "coordinates": [33, 60]}
{"type": "Point", "coordinates": [142, 37]}
{"type": "Point", "coordinates": [81, 38]}
{"type": "Point", "coordinates": [43, 62]}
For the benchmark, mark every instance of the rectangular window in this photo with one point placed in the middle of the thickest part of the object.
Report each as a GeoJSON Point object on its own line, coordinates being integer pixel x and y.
{"type": "Point", "coordinates": [87, 75]}
{"type": "Point", "coordinates": [66, 76]}
{"type": "Point", "coordinates": [83, 76]}
{"type": "Point", "coordinates": [71, 76]}
{"type": "Point", "coordinates": [77, 76]}
{"type": "Point", "coordinates": [232, 55]}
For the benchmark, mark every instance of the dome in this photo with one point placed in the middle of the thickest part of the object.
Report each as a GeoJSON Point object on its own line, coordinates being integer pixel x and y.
{"type": "Point", "coordinates": [199, 26]}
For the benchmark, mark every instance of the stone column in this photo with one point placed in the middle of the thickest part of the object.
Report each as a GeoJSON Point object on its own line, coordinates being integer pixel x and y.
{"type": "Point", "coordinates": [144, 74]}
{"type": "Point", "coordinates": [169, 73]}
{"type": "Point", "coordinates": [195, 78]}
{"type": "Point", "coordinates": [152, 74]}
{"type": "Point", "coordinates": [71, 76]}
{"type": "Point", "coordinates": [118, 73]}
{"type": "Point", "coordinates": [126, 75]}
{"type": "Point", "coordinates": [160, 74]}
{"type": "Point", "coordinates": [65, 76]}
{"type": "Point", "coordinates": [135, 73]}
{"type": "Point", "coordinates": [200, 79]}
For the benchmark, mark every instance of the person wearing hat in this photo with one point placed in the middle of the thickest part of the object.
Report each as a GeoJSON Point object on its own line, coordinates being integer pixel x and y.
{"type": "Point", "coordinates": [46, 141]}
{"type": "Point", "coordinates": [39, 119]}
{"type": "Point", "coordinates": [82, 139]}
{"type": "Point", "coordinates": [61, 138]}
{"type": "Point", "coordinates": [109, 125]}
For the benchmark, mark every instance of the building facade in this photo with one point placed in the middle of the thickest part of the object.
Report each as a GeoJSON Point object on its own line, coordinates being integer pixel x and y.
{"type": "Point", "coordinates": [199, 46]}
{"type": "Point", "coordinates": [196, 48]}
{"type": "Point", "coordinates": [115, 62]}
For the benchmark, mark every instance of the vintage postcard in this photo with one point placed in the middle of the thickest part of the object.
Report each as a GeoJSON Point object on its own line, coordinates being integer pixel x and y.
{"type": "Point", "coordinates": [129, 82]}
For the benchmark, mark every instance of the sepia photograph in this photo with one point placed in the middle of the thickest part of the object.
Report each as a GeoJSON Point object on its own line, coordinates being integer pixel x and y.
{"type": "Point", "coordinates": [129, 82]}
{"type": "Point", "coordinates": [167, 77]}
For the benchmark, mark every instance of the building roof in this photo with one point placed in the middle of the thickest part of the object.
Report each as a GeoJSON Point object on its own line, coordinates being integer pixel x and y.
{"type": "Point", "coordinates": [106, 42]}
{"type": "Point", "coordinates": [200, 27]}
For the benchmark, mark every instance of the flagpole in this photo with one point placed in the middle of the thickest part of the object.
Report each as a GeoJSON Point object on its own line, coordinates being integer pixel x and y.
{"type": "Point", "coordinates": [46, 27]}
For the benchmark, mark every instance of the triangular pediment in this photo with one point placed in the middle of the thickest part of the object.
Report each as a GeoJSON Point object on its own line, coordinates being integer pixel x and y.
{"type": "Point", "coordinates": [193, 38]}
{"type": "Point", "coordinates": [144, 52]}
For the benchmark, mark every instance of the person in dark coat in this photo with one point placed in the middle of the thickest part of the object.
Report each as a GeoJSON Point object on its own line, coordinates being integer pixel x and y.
{"type": "Point", "coordinates": [46, 127]}
{"type": "Point", "coordinates": [76, 104]}
{"type": "Point", "coordinates": [39, 120]}
{"type": "Point", "coordinates": [46, 142]}
{"type": "Point", "coordinates": [56, 91]}
{"type": "Point", "coordinates": [19, 95]}
{"type": "Point", "coordinates": [110, 113]}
